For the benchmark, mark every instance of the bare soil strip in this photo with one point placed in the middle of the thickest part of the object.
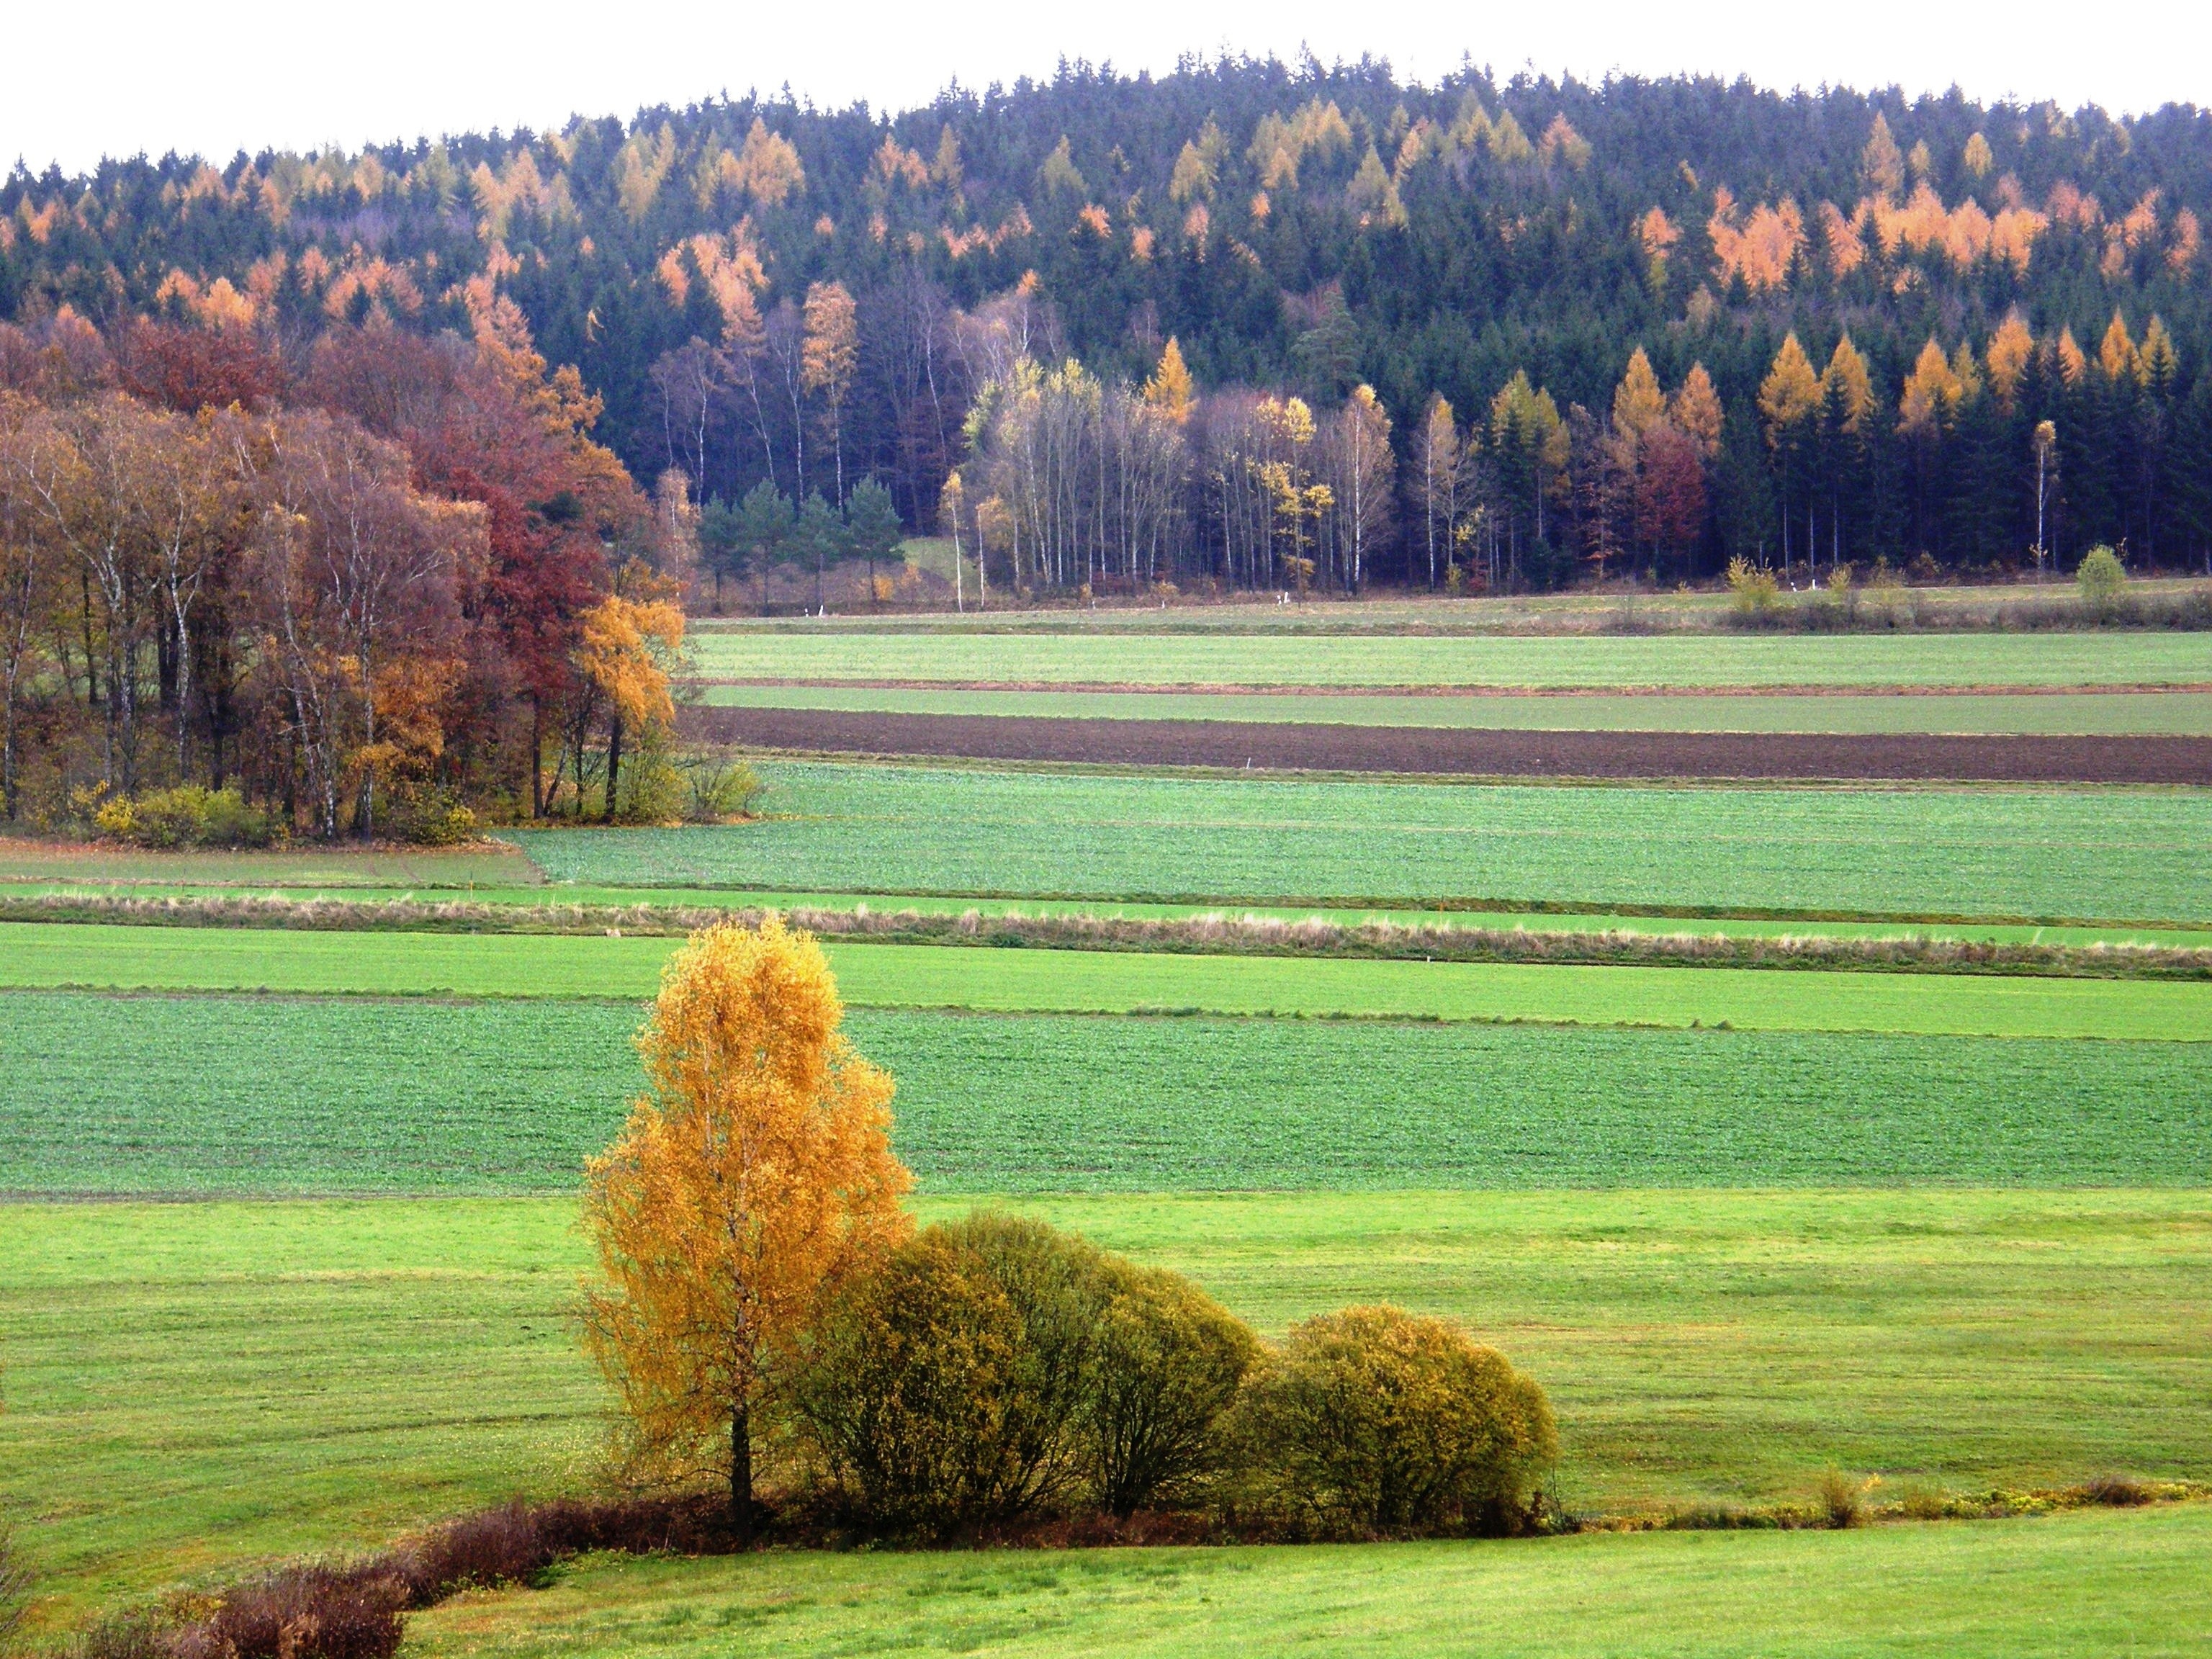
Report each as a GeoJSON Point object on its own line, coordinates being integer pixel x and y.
{"type": "Point", "coordinates": [1798, 758]}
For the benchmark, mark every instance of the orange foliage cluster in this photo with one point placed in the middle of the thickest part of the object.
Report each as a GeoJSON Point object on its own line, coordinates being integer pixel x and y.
{"type": "Point", "coordinates": [1762, 250]}
{"type": "Point", "coordinates": [979, 240]}
{"type": "Point", "coordinates": [387, 287]}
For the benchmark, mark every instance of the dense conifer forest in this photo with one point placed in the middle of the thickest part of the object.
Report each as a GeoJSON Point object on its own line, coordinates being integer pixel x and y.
{"type": "Point", "coordinates": [1261, 324]}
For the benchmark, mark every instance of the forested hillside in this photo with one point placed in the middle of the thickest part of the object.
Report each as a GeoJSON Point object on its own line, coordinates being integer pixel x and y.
{"type": "Point", "coordinates": [1669, 322]}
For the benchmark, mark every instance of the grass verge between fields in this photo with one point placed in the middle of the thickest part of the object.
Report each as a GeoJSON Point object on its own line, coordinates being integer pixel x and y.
{"type": "Point", "coordinates": [48, 956]}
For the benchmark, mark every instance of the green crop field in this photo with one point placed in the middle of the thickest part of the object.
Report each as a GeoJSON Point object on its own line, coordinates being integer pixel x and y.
{"type": "Point", "coordinates": [309, 866]}
{"type": "Point", "coordinates": [1598, 662]}
{"type": "Point", "coordinates": [2112, 855]}
{"type": "Point", "coordinates": [2081, 1585]}
{"type": "Point", "coordinates": [275, 1095]}
{"type": "Point", "coordinates": [1567, 611]}
{"type": "Point", "coordinates": [2051, 713]}
{"type": "Point", "coordinates": [38, 955]}
{"type": "Point", "coordinates": [189, 1384]}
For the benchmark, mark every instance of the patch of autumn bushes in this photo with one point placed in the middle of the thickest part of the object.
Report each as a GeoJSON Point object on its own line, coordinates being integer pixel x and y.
{"type": "Point", "coordinates": [994, 1370]}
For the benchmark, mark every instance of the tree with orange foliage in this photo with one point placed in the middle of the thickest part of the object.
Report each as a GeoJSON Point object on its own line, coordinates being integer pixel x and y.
{"type": "Point", "coordinates": [830, 356]}
{"type": "Point", "coordinates": [753, 1176]}
{"type": "Point", "coordinates": [626, 651]}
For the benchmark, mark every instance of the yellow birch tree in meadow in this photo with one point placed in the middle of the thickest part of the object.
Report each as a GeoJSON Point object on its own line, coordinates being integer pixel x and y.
{"type": "Point", "coordinates": [755, 1176]}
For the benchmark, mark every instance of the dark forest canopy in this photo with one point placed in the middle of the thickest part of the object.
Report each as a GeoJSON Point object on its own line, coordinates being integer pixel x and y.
{"type": "Point", "coordinates": [763, 291]}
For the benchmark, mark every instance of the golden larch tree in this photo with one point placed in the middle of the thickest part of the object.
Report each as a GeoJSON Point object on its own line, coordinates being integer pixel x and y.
{"type": "Point", "coordinates": [755, 1176]}
{"type": "Point", "coordinates": [1790, 393]}
{"type": "Point", "coordinates": [1847, 388]}
{"type": "Point", "coordinates": [1638, 403]}
{"type": "Point", "coordinates": [2010, 349]}
{"type": "Point", "coordinates": [829, 358]}
{"type": "Point", "coordinates": [1169, 391]}
{"type": "Point", "coordinates": [1696, 409]}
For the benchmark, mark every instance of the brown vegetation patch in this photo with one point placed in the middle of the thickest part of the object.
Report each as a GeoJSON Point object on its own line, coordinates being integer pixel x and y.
{"type": "Point", "coordinates": [1225, 934]}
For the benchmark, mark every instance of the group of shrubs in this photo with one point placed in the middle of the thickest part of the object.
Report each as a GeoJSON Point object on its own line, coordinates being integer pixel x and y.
{"type": "Point", "coordinates": [995, 1369]}
{"type": "Point", "coordinates": [192, 815]}
{"type": "Point", "coordinates": [995, 1379]}
{"type": "Point", "coordinates": [2102, 597]}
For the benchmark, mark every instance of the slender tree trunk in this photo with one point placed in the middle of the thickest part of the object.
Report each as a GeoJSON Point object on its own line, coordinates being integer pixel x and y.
{"type": "Point", "coordinates": [537, 756]}
{"type": "Point", "coordinates": [742, 1518]}
{"type": "Point", "coordinates": [613, 762]}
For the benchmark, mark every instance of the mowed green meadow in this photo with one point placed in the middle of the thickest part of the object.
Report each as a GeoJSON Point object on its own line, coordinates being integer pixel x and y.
{"type": "Point", "coordinates": [2047, 855]}
{"type": "Point", "coordinates": [991, 979]}
{"type": "Point", "coordinates": [2075, 1585]}
{"type": "Point", "coordinates": [190, 1387]}
{"type": "Point", "coordinates": [1033, 656]}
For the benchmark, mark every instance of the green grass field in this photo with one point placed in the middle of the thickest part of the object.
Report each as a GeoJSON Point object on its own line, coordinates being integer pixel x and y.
{"type": "Point", "coordinates": [1033, 657]}
{"type": "Point", "coordinates": [2107, 855]}
{"type": "Point", "coordinates": [2059, 713]}
{"type": "Point", "coordinates": [380, 869]}
{"type": "Point", "coordinates": [191, 1385]}
{"type": "Point", "coordinates": [280, 1095]}
{"type": "Point", "coordinates": [1428, 613]}
{"type": "Point", "coordinates": [36, 954]}
{"type": "Point", "coordinates": [2081, 1585]}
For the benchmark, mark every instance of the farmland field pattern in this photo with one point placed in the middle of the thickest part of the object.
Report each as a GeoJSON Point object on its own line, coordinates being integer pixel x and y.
{"type": "Point", "coordinates": [1599, 662]}
{"type": "Point", "coordinates": [2047, 853]}
{"type": "Point", "coordinates": [277, 1095]}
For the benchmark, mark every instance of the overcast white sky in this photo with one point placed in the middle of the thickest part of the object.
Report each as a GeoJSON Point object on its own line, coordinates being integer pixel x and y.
{"type": "Point", "coordinates": [90, 79]}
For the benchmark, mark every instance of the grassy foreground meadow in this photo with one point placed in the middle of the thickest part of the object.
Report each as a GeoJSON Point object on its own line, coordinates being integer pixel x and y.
{"type": "Point", "coordinates": [194, 1386]}
{"type": "Point", "coordinates": [1736, 1596]}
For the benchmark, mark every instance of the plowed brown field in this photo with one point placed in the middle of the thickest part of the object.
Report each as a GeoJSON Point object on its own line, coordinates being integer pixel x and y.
{"type": "Point", "coordinates": [1332, 748]}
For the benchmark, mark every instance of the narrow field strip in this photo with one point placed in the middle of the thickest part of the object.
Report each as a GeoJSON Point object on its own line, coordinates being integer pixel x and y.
{"type": "Point", "coordinates": [2187, 714]}
{"type": "Point", "coordinates": [985, 979]}
{"type": "Point", "coordinates": [190, 1384]}
{"type": "Point", "coordinates": [383, 869]}
{"type": "Point", "coordinates": [2016, 853]}
{"type": "Point", "coordinates": [2074, 1586]}
{"type": "Point", "coordinates": [184, 1094]}
{"type": "Point", "coordinates": [1464, 753]}
{"type": "Point", "coordinates": [1597, 662]}
{"type": "Point", "coordinates": [550, 908]}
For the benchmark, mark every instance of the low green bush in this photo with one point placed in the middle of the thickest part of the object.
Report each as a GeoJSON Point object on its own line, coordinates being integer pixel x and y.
{"type": "Point", "coordinates": [943, 1388]}
{"type": "Point", "coordinates": [996, 1367]}
{"type": "Point", "coordinates": [429, 816]}
{"type": "Point", "coordinates": [1168, 1361]}
{"type": "Point", "coordinates": [1375, 1421]}
{"type": "Point", "coordinates": [1752, 591]}
{"type": "Point", "coordinates": [720, 787]}
{"type": "Point", "coordinates": [189, 814]}
{"type": "Point", "coordinates": [2100, 579]}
